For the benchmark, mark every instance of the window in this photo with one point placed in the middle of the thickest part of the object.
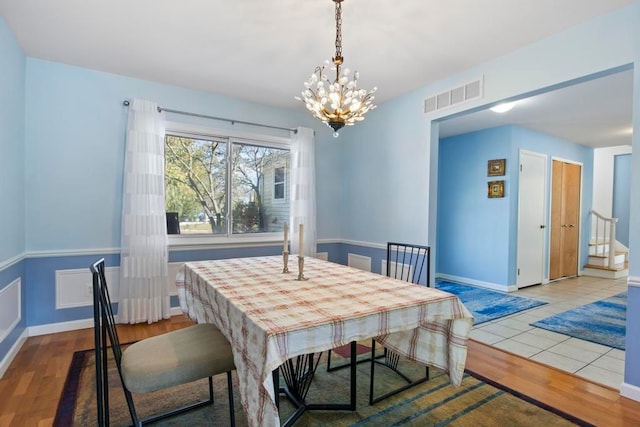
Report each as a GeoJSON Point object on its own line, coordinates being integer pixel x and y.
{"type": "Point", "coordinates": [278, 183]}
{"type": "Point", "coordinates": [222, 185]}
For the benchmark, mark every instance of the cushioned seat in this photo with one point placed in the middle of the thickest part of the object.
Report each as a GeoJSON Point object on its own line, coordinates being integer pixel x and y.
{"type": "Point", "coordinates": [181, 356]}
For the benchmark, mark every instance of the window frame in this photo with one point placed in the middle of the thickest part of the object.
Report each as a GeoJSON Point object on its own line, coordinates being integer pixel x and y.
{"type": "Point", "coordinates": [200, 241]}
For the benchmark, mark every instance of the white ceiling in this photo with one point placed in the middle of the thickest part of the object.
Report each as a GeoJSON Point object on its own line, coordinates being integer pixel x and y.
{"type": "Point", "coordinates": [596, 113]}
{"type": "Point", "coordinates": [263, 50]}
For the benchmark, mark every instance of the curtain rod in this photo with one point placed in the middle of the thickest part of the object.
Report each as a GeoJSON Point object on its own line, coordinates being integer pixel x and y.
{"type": "Point", "coordinates": [204, 116]}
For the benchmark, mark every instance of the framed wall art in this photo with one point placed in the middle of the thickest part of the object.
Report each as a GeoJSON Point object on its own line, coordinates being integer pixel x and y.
{"type": "Point", "coordinates": [496, 167]}
{"type": "Point", "coordinates": [495, 189]}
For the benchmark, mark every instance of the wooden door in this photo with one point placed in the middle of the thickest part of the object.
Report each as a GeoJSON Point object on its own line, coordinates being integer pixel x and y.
{"type": "Point", "coordinates": [565, 220]}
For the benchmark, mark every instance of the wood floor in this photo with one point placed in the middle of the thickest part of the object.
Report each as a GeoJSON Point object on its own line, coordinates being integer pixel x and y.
{"type": "Point", "coordinates": [31, 387]}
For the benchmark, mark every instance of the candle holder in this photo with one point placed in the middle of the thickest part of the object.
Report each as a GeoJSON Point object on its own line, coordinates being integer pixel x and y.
{"type": "Point", "coordinates": [285, 261]}
{"type": "Point", "coordinates": [301, 268]}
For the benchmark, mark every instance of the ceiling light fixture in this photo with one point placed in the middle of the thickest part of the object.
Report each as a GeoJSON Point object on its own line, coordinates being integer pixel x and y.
{"type": "Point", "coordinates": [503, 108]}
{"type": "Point", "coordinates": [340, 102]}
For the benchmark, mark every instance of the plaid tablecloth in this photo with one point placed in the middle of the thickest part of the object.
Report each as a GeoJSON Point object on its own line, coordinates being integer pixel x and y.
{"type": "Point", "coordinates": [269, 317]}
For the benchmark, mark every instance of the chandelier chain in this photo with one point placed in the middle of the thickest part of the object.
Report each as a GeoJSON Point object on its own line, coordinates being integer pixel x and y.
{"type": "Point", "coordinates": [338, 30]}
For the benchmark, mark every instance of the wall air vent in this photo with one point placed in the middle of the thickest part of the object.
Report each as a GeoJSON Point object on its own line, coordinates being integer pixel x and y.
{"type": "Point", "coordinates": [455, 96]}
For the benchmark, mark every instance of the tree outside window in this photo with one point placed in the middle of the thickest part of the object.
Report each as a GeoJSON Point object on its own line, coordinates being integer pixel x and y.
{"type": "Point", "coordinates": [205, 176]}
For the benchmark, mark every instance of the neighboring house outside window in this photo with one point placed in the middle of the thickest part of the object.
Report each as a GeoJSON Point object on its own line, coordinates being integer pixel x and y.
{"type": "Point", "coordinates": [220, 184]}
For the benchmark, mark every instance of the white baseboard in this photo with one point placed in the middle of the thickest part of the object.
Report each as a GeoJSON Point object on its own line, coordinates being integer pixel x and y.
{"type": "Point", "coordinates": [53, 328]}
{"type": "Point", "coordinates": [13, 351]}
{"type": "Point", "coordinates": [479, 283]}
{"type": "Point", "coordinates": [73, 325]}
{"type": "Point", "coordinates": [630, 391]}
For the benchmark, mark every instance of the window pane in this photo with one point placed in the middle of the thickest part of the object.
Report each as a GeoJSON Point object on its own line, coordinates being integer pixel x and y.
{"type": "Point", "coordinates": [278, 183]}
{"type": "Point", "coordinates": [255, 208]}
{"type": "Point", "coordinates": [196, 183]}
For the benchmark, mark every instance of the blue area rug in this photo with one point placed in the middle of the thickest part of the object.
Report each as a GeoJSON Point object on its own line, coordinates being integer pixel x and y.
{"type": "Point", "coordinates": [486, 305]}
{"type": "Point", "coordinates": [602, 322]}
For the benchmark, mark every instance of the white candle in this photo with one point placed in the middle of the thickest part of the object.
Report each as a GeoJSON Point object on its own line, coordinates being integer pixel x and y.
{"type": "Point", "coordinates": [286, 238]}
{"type": "Point", "coordinates": [301, 240]}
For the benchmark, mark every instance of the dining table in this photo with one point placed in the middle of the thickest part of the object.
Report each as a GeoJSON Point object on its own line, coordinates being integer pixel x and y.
{"type": "Point", "coordinates": [271, 316]}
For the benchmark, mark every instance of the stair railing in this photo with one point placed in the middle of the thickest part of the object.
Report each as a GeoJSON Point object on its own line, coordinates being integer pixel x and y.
{"type": "Point", "coordinates": [603, 231]}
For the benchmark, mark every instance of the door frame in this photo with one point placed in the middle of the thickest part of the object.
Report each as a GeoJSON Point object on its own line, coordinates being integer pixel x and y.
{"type": "Point", "coordinates": [579, 257]}
{"type": "Point", "coordinates": [545, 213]}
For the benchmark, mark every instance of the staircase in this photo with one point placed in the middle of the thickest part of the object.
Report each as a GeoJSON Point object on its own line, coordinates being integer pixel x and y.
{"type": "Point", "coordinates": [607, 257]}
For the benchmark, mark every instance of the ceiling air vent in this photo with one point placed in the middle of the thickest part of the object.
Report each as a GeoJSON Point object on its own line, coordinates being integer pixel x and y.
{"type": "Point", "coordinates": [455, 96]}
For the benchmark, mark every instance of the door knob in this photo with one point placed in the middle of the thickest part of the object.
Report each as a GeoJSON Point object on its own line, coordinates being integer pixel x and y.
{"type": "Point", "coordinates": [571, 225]}
{"type": "Point", "coordinates": [543, 226]}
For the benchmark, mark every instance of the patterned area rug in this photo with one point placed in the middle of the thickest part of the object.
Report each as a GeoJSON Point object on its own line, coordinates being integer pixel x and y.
{"type": "Point", "coordinates": [485, 304]}
{"type": "Point", "coordinates": [602, 322]}
{"type": "Point", "coordinates": [434, 403]}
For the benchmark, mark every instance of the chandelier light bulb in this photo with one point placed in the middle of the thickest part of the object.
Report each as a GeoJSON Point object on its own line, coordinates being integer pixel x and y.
{"type": "Point", "coordinates": [341, 103]}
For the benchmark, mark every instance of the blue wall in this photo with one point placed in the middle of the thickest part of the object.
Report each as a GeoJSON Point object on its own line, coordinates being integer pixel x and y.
{"type": "Point", "coordinates": [473, 230]}
{"type": "Point", "coordinates": [621, 196]}
{"type": "Point", "coordinates": [12, 161]}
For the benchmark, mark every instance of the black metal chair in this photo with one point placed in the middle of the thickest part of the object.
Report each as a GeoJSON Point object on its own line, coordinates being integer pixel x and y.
{"type": "Point", "coordinates": [163, 361]}
{"type": "Point", "coordinates": [410, 263]}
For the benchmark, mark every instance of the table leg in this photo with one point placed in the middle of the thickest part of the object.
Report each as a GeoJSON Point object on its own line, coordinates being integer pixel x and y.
{"type": "Point", "coordinates": [298, 374]}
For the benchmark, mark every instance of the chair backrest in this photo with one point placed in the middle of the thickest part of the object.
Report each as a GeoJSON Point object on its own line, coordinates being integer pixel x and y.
{"type": "Point", "coordinates": [408, 262]}
{"type": "Point", "coordinates": [103, 318]}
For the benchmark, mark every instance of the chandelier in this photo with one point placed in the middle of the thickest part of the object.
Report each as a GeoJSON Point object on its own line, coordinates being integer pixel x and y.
{"type": "Point", "coordinates": [336, 103]}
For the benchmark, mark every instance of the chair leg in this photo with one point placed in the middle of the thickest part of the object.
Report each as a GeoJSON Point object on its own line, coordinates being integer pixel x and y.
{"type": "Point", "coordinates": [181, 410]}
{"type": "Point", "coordinates": [132, 409]}
{"type": "Point", "coordinates": [391, 360]}
{"type": "Point", "coordinates": [232, 413]}
{"type": "Point", "coordinates": [344, 365]}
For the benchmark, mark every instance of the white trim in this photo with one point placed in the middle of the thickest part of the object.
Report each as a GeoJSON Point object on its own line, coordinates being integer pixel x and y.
{"type": "Point", "coordinates": [238, 136]}
{"type": "Point", "coordinates": [183, 242]}
{"type": "Point", "coordinates": [480, 283]}
{"type": "Point", "coordinates": [365, 244]}
{"type": "Point", "coordinates": [74, 252]}
{"type": "Point", "coordinates": [18, 284]}
{"type": "Point", "coordinates": [11, 354]}
{"type": "Point", "coordinates": [73, 325]}
{"type": "Point", "coordinates": [53, 328]}
{"type": "Point", "coordinates": [329, 241]}
{"type": "Point", "coordinates": [633, 281]}
{"type": "Point", "coordinates": [630, 391]}
{"type": "Point", "coordinates": [360, 262]}
{"type": "Point", "coordinates": [11, 261]}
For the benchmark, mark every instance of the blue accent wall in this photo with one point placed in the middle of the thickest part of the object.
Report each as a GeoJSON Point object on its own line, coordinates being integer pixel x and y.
{"type": "Point", "coordinates": [621, 196]}
{"type": "Point", "coordinates": [473, 230]}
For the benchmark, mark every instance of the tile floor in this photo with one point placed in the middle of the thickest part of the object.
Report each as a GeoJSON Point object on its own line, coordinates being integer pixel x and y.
{"type": "Point", "coordinates": [596, 362]}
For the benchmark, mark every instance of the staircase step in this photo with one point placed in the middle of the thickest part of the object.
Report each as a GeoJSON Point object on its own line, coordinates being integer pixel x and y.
{"type": "Point", "coordinates": [605, 273]}
{"type": "Point", "coordinates": [616, 267]}
{"type": "Point", "coordinates": [603, 260]}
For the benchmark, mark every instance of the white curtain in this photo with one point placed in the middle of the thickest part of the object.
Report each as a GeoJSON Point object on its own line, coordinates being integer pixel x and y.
{"type": "Point", "coordinates": [303, 192]}
{"type": "Point", "coordinates": [143, 293]}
